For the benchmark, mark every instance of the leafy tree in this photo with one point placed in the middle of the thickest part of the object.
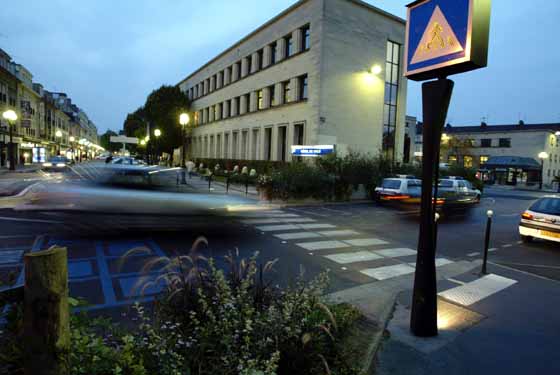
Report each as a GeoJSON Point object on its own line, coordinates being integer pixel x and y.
{"type": "Point", "coordinates": [105, 141]}
{"type": "Point", "coordinates": [162, 110]}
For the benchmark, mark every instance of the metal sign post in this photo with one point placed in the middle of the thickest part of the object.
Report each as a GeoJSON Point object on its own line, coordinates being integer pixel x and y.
{"type": "Point", "coordinates": [443, 37]}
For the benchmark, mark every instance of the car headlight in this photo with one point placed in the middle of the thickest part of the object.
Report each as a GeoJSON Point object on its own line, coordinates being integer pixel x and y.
{"type": "Point", "coordinates": [47, 164]}
{"type": "Point", "coordinates": [61, 165]}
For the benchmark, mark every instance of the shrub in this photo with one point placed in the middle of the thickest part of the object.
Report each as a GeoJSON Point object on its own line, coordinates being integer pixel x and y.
{"type": "Point", "coordinates": [300, 181]}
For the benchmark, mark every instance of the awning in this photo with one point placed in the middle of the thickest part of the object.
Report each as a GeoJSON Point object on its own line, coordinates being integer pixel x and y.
{"type": "Point", "coordinates": [516, 162]}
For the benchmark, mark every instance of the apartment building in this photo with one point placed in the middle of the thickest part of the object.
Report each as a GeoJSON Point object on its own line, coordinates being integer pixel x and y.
{"type": "Point", "coordinates": [306, 77]}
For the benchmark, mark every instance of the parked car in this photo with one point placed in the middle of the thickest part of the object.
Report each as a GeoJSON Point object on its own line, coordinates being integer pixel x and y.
{"type": "Point", "coordinates": [56, 163]}
{"type": "Point", "coordinates": [541, 220]}
{"type": "Point", "coordinates": [405, 189]}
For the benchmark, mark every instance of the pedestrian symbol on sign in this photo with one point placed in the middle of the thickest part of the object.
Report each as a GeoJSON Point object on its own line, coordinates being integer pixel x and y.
{"type": "Point", "coordinates": [438, 39]}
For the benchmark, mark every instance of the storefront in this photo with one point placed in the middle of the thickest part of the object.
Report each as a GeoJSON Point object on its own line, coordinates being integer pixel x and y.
{"type": "Point", "coordinates": [512, 170]}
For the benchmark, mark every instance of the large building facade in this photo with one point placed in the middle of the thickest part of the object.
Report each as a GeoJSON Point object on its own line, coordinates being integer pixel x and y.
{"type": "Point", "coordinates": [304, 78]}
{"type": "Point", "coordinates": [48, 123]}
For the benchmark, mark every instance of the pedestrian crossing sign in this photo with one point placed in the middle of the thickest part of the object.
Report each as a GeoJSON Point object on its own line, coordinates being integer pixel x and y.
{"type": "Point", "coordinates": [446, 37]}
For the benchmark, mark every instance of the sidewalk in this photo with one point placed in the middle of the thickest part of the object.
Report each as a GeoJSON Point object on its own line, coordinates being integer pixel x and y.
{"type": "Point", "coordinates": [20, 169]}
{"type": "Point", "coordinates": [512, 331]}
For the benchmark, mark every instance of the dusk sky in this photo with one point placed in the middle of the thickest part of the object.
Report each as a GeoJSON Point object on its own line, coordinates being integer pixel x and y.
{"type": "Point", "coordinates": [107, 55]}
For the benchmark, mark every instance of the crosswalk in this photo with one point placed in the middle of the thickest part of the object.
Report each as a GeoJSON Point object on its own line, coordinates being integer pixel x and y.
{"type": "Point", "coordinates": [374, 258]}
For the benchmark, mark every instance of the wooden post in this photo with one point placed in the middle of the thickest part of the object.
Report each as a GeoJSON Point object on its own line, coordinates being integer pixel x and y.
{"type": "Point", "coordinates": [46, 316]}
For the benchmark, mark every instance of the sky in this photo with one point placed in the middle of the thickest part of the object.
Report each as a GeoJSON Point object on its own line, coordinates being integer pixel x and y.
{"type": "Point", "coordinates": [108, 55]}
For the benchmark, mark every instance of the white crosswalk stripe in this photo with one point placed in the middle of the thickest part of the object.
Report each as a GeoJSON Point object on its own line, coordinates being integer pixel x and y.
{"type": "Point", "coordinates": [339, 233]}
{"type": "Point", "coordinates": [276, 228]}
{"type": "Point", "coordinates": [323, 245]}
{"type": "Point", "coordinates": [396, 253]}
{"type": "Point", "coordinates": [316, 226]}
{"type": "Point", "coordinates": [389, 272]}
{"type": "Point", "coordinates": [277, 220]}
{"type": "Point", "coordinates": [354, 257]}
{"type": "Point", "coordinates": [366, 242]}
{"type": "Point", "coordinates": [477, 290]}
{"type": "Point", "coordinates": [297, 235]}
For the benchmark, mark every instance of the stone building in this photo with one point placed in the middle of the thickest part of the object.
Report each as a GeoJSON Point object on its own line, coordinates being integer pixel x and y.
{"type": "Point", "coordinates": [323, 72]}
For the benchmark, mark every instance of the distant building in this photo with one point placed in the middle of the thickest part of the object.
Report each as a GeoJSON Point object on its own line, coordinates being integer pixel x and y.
{"type": "Point", "coordinates": [8, 100]}
{"type": "Point", "coordinates": [507, 154]}
{"type": "Point", "coordinates": [304, 78]}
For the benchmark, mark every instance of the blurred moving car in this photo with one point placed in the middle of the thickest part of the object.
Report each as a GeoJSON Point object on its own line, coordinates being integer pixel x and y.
{"type": "Point", "coordinates": [56, 163]}
{"type": "Point", "coordinates": [456, 191]}
{"type": "Point", "coordinates": [127, 161]}
{"type": "Point", "coordinates": [541, 220]}
{"type": "Point", "coordinates": [406, 189]}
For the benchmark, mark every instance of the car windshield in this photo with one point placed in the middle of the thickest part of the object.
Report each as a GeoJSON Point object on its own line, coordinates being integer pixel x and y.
{"type": "Point", "coordinates": [58, 159]}
{"type": "Point", "coordinates": [549, 206]}
{"type": "Point", "coordinates": [391, 184]}
{"type": "Point", "coordinates": [414, 183]}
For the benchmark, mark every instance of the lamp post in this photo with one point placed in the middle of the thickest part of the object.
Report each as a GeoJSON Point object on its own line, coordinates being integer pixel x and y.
{"type": "Point", "coordinates": [543, 155]}
{"type": "Point", "coordinates": [58, 136]}
{"type": "Point", "coordinates": [11, 117]}
{"type": "Point", "coordinates": [72, 139]}
{"type": "Point", "coordinates": [157, 134]}
{"type": "Point", "coordinates": [184, 120]}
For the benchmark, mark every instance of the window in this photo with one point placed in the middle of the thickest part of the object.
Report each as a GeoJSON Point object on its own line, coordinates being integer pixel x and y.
{"type": "Point", "coordinates": [483, 160]}
{"type": "Point", "coordinates": [238, 105]}
{"type": "Point", "coordinates": [467, 161]}
{"type": "Point", "coordinates": [248, 102]}
{"type": "Point", "coordinates": [486, 142]}
{"type": "Point", "coordinates": [261, 59]}
{"type": "Point", "coordinates": [217, 111]}
{"type": "Point", "coordinates": [298, 134]}
{"type": "Point", "coordinates": [391, 92]}
{"type": "Point", "coordinates": [273, 53]}
{"type": "Point", "coordinates": [249, 64]}
{"type": "Point", "coordinates": [303, 87]}
{"type": "Point", "coordinates": [272, 91]}
{"type": "Point", "coordinates": [229, 75]}
{"type": "Point", "coordinates": [221, 78]}
{"type": "Point", "coordinates": [306, 35]}
{"type": "Point", "coordinates": [288, 40]}
{"type": "Point", "coordinates": [286, 91]}
{"type": "Point", "coordinates": [391, 184]}
{"type": "Point", "coordinates": [260, 100]}
{"type": "Point", "coordinates": [505, 142]}
{"type": "Point", "coordinates": [238, 70]}
{"type": "Point", "coordinates": [452, 159]}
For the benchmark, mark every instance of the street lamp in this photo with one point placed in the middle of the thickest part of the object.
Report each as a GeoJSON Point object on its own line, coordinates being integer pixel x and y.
{"type": "Point", "coordinates": [157, 134]}
{"type": "Point", "coordinates": [184, 120]}
{"type": "Point", "coordinates": [543, 155]}
{"type": "Point", "coordinates": [58, 135]}
{"type": "Point", "coordinates": [11, 117]}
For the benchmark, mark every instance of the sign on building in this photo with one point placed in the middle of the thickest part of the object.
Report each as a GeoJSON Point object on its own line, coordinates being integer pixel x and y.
{"type": "Point", "coordinates": [312, 151]}
{"type": "Point", "coordinates": [445, 37]}
{"type": "Point", "coordinates": [123, 139]}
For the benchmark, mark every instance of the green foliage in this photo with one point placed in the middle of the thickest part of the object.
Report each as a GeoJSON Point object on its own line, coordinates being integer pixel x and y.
{"type": "Point", "coordinates": [300, 181]}
{"type": "Point", "coordinates": [105, 141]}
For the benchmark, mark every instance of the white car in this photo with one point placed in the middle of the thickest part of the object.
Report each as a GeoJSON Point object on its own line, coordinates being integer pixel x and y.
{"type": "Point", "coordinates": [541, 220]}
{"type": "Point", "coordinates": [401, 189]}
{"type": "Point", "coordinates": [461, 189]}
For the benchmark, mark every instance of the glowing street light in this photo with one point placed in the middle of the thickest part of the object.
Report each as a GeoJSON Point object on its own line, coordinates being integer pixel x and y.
{"type": "Point", "coordinates": [376, 70]}
{"type": "Point", "coordinates": [543, 155]}
{"type": "Point", "coordinates": [11, 116]}
{"type": "Point", "coordinates": [157, 133]}
{"type": "Point", "coordinates": [184, 120]}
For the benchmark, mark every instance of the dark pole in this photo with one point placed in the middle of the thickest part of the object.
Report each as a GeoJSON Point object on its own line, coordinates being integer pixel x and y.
{"type": "Point", "coordinates": [490, 213]}
{"type": "Point", "coordinates": [11, 147]}
{"type": "Point", "coordinates": [542, 174]}
{"type": "Point", "coordinates": [247, 184]}
{"type": "Point", "coordinates": [436, 96]}
{"type": "Point", "coordinates": [184, 161]}
{"type": "Point", "coordinates": [227, 182]}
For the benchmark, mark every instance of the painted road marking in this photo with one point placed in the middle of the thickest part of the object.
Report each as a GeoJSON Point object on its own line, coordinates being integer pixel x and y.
{"type": "Point", "coordinates": [508, 245]}
{"type": "Point", "coordinates": [473, 254]}
{"type": "Point", "coordinates": [388, 272]}
{"type": "Point", "coordinates": [338, 233]}
{"type": "Point", "coordinates": [366, 242]}
{"type": "Point", "coordinates": [276, 228]}
{"type": "Point", "coordinates": [297, 235]}
{"type": "Point", "coordinates": [276, 221]}
{"type": "Point", "coordinates": [492, 249]}
{"type": "Point", "coordinates": [322, 245]}
{"type": "Point", "coordinates": [396, 253]}
{"type": "Point", "coordinates": [358, 256]}
{"type": "Point", "coordinates": [316, 226]}
{"type": "Point", "coordinates": [477, 290]}
{"type": "Point", "coordinates": [5, 218]}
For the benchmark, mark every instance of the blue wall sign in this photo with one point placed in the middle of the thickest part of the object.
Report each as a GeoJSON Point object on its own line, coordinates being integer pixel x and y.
{"type": "Point", "coordinates": [446, 37]}
{"type": "Point", "coordinates": [312, 151]}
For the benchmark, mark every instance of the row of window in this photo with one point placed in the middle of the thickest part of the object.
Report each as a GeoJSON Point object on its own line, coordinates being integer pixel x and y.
{"type": "Point", "coordinates": [277, 51]}
{"type": "Point", "coordinates": [392, 74]}
{"type": "Point", "coordinates": [250, 144]}
{"type": "Point", "coordinates": [255, 101]}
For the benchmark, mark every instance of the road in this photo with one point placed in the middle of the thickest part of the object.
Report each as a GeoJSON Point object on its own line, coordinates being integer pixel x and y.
{"type": "Point", "coordinates": [358, 243]}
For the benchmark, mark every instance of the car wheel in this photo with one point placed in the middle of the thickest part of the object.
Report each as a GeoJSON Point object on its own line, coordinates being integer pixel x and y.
{"type": "Point", "coordinates": [478, 199]}
{"type": "Point", "coordinates": [526, 239]}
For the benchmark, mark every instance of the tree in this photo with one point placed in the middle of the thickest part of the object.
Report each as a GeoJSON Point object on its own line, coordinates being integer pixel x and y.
{"type": "Point", "coordinates": [162, 110]}
{"type": "Point", "coordinates": [105, 141]}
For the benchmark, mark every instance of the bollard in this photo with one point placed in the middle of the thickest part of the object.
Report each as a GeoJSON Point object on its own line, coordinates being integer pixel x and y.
{"type": "Point", "coordinates": [183, 176]}
{"type": "Point", "coordinates": [209, 181]}
{"type": "Point", "coordinates": [46, 317]}
{"type": "Point", "coordinates": [246, 184]}
{"type": "Point", "coordinates": [490, 214]}
{"type": "Point", "coordinates": [177, 180]}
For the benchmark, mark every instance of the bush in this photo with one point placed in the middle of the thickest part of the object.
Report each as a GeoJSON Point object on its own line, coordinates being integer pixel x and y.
{"type": "Point", "coordinates": [300, 181]}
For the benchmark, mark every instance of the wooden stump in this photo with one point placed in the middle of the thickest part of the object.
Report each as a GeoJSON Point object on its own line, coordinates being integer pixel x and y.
{"type": "Point", "coordinates": [46, 316]}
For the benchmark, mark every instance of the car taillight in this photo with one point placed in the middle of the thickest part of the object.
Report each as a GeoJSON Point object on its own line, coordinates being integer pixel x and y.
{"type": "Point", "coordinates": [527, 216]}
